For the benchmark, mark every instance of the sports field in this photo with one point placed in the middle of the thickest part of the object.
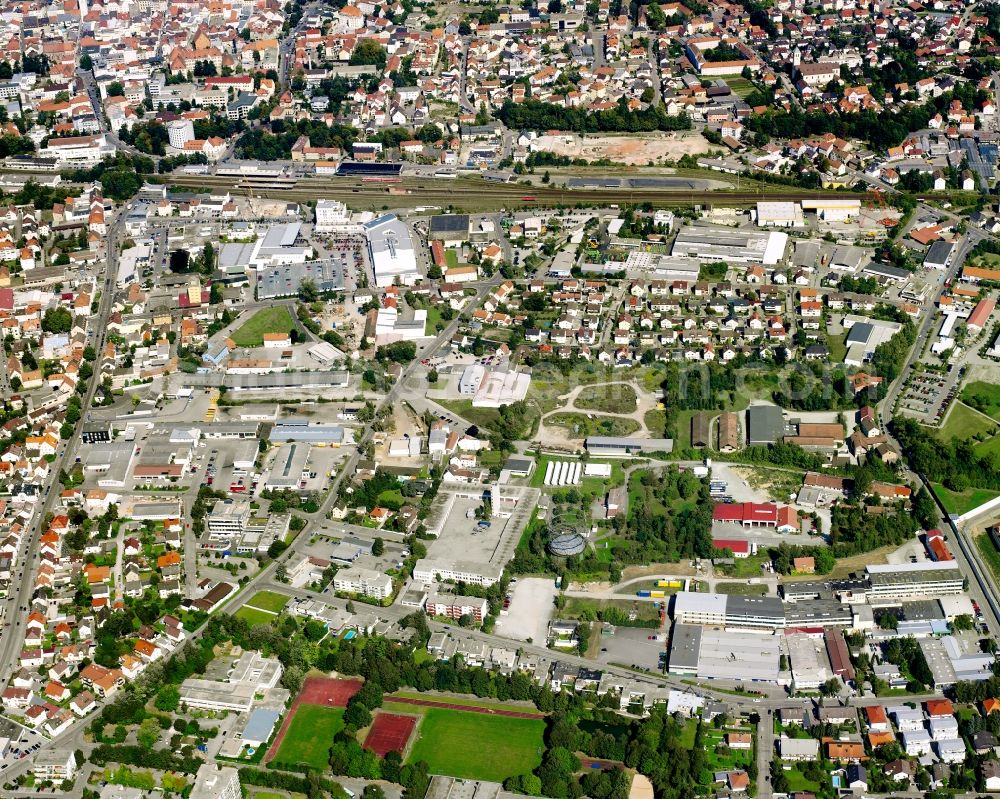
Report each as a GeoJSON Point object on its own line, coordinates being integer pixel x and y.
{"type": "Point", "coordinates": [309, 736]}
{"type": "Point", "coordinates": [476, 745]}
{"type": "Point", "coordinates": [390, 733]}
{"type": "Point", "coordinates": [267, 320]}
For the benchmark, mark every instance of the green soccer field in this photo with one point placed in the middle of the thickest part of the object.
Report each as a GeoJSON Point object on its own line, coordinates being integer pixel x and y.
{"type": "Point", "coordinates": [478, 746]}
{"type": "Point", "coordinates": [310, 736]}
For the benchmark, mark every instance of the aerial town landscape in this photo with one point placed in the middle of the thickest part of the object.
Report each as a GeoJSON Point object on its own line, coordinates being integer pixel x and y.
{"type": "Point", "coordinates": [457, 400]}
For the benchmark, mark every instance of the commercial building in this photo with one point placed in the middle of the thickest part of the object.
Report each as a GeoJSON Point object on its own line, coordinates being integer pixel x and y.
{"type": "Point", "coordinates": [180, 132]}
{"type": "Point", "coordinates": [286, 279]}
{"type": "Point", "coordinates": [748, 514]}
{"type": "Point", "coordinates": [228, 518]}
{"type": "Point", "coordinates": [307, 430]}
{"type": "Point", "coordinates": [939, 255]}
{"type": "Point", "coordinates": [216, 782]}
{"type": "Point", "coordinates": [333, 216]}
{"type": "Point", "coordinates": [429, 570]}
{"type": "Point", "coordinates": [276, 247]}
{"type": "Point", "coordinates": [779, 214]}
{"type": "Point", "coordinates": [365, 582]}
{"type": "Point", "coordinates": [450, 228]}
{"type": "Point", "coordinates": [391, 251]}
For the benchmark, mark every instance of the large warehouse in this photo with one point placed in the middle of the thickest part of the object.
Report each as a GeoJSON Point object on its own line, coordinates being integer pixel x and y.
{"type": "Point", "coordinates": [709, 243]}
{"type": "Point", "coordinates": [391, 251]}
{"type": "Point", "coordinates": [720, 655]}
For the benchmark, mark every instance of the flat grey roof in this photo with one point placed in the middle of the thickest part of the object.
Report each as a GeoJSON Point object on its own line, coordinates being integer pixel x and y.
{"type": "Point", "coordinates": [765, 424]}
{"type": "Point", "coordinates": [685, 644]}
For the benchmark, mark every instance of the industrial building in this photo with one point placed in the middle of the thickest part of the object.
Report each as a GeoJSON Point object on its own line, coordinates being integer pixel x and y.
{"type": "Point", "coordinates": [730, 245]}
{"type": "Point", "coordinates": [765, 425]}
{"type": "Point", "coordinates": [724, 655]}
{"type": "Point", "coordinates": [617, 447]}
{"type": "Point", "coordinates": [893, 582]}
{"type": "Point", "coordinates": [864, 336]}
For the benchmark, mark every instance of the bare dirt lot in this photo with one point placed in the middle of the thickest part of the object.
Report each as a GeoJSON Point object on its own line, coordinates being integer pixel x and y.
{"type": "Point", "coordinates": [630, 150]}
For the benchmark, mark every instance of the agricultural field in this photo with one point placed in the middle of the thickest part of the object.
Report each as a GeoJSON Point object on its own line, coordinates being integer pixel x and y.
{"type": "Point", "coordinates": [503, 746]}
{"type": "Point", "coordinates": [266, 320]}
{"type": "Point", "coordinates": [308, 738]}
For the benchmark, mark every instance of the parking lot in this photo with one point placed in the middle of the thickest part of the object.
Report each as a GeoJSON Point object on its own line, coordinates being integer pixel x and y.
{"type": "Point", "coordinates": [531, 607]}
{"type": "Point", "coordinates": [631, 646]}
{"type": "Point", "coordinates": [928, 395]}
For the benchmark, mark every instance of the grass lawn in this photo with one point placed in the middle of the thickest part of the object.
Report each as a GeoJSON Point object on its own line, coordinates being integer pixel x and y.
{"type": "Point", "coordinates": [744, 568]}
{"type": "Point", "coordinates": [477, 746]}
{"type": "Point", "coordinates": [268, 600]}
{"type": "Point", "coordinates": [838, 348]}
{"type": "Point", "coordinates": [682, 438]}
{"type": "Point", "coordinates": [740, 85]}
{"type": "Point", "coordinates": [984, 397]}
{"type": "Point", "coordinates": [483, 417]}
{"type": "Point", "coordinates": [989, 554]}
{"type": "Point", "coordinates": [617, 398]}
{"type": "Point", "coordinates": [310, 735]}
{"type": "Point", "coordinates": [798, 782]}
{"type": "Point", "coordinates": [465, 701]}
{"type": "Point", "coordinates": [266, 320]}
{"type": "Point", "coordinates": [743, 589]}
{"type": "Point", "coordinates": [656, 422]}
{"type": "Point", "coordinates": [963, 422]}
{"type": "Point", "coordinates": [451, 257]}
{"type": "Point", "coordinates": [990, 446]}
{"type": "Point", "coordinates": [254, 616]}
{"type": "Point", "coordinates": [726, 760]}
{"type": "Point", "coordinates": [644, 610]}
{"type": "Point", "coordinates": [987, 259]}
{"type": "Point", "coordinates": [688, 733]}
{"type": "Point", "coordinates": [598, 483]}
{"type": "Point", "coordinates": [579, 426]}
{"type": "Point", "coordinates": [959, 503]}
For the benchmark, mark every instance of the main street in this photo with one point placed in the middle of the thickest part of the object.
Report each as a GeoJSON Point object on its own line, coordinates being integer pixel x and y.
{"type": "Point", "coordinates": [15, 605]}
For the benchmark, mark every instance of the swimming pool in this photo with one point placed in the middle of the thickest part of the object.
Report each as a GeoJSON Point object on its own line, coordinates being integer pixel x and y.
{"type": "Point", "coordinates": [349, 635]}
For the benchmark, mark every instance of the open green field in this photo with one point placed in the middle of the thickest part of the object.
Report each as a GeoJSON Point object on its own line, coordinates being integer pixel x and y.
{"type": "Point", "coordinates": [987, 259]}
{"type": "Point", "coordinates": [579, 426]}
{"type": "Point", "coordinates": [580, 606]}
{"type": "Point", "coordinates": [266, 320]}
{"type": "Point", "coordinates": [464, 701]}
{"type": "Point", "coordinates": [482, 417]}
{"type": "Point", "coordinates": [725, 760]}
{"type": "Point", "coordinates": [309, 736]}
{"type": "Point", "coordinates": [478, 746]}
{"type": "Point", "coordinates": [964, 422]}
{"type": "Point", "coordinates": [451, 257]}
{"type": "Point", "coordinates": [990, 446]}
{"type": "Point", "coordinates": [742, 589]}
{"type": "Point", "coordinates": [797, 781]}
{"type": "Point", "coordinates": [268, 600]}
{"type": "Point", "coordinates": [989, 553]}
{"type": "Point", "coordinates": [253, 616]}
{"type": "Point", "coordinates": [984, 397]}
{"type": "Point", "coordinates": [958, 503]}
{"type": "Point", "coordinates": [617, 398]}
{"type": "Point", "coordinates": [273, 795]}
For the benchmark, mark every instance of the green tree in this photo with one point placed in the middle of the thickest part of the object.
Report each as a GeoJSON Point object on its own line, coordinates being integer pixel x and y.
{"type": "Point", "coordinates": [148, 733]}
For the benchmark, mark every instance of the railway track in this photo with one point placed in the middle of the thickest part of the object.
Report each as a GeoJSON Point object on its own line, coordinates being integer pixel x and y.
{"type": "Point", "coordinates": [471, 194]}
